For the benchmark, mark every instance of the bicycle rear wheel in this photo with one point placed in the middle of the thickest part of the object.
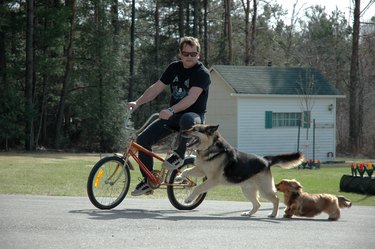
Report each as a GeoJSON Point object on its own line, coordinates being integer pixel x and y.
{"type": "Point", "coordinates": [179, 191]}
{"type": "Point", "coordinates": [108, 182]}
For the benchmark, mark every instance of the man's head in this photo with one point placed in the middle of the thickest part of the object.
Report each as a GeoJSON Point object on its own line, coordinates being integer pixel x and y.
{"type": "Point", "coordinates": [189, 51]}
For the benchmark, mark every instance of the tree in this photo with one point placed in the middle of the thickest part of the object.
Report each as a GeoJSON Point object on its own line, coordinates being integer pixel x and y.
{"type": "Point", "coordinates": [2, 51]}
{"type": "Point", "coordinates": [307, 90]}
{"type": "Point", "coordinates": [205, 36]}
{"type": "Point", "coordinates": [68, 71]}
{"type": "Point", "coordinates": [253, 32]}
{"type": "Point", "coordinates": [29, 79]}
{"type": "Point", "coordinates": [355, 88]}
{"type": "Point", "coordinates": [10, 108]}
{"type": "Point", "coordinates": [181, 29]}
{"type": "Point", "coordinates": [290, 32]}
{"type": "Point", "coordinates": [246, 7]}
{"type": "Point", "coordinates": [196, 17]}
{"type": "Point", "coordinates": [131, 67]}
{"type": "Point", "coordinates": [228, 30]}
{"type": "Point", "coordinates": [157, 31]}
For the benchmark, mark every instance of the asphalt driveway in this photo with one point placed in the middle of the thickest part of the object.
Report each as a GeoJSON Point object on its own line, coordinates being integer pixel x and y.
{"type": "Point", "coordinates": [72, 222]}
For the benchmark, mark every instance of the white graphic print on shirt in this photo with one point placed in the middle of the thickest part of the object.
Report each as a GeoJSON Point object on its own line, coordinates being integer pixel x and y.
{"type": "Point", "coordinates": [180, 91]}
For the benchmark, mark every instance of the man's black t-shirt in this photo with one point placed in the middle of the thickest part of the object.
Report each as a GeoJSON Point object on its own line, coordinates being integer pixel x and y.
{"type": "Point", "coordinates": [181, 80]}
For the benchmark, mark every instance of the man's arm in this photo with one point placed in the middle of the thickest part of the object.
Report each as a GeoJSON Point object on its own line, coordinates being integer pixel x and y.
{"type": "Point", "coordinates": [190, 99]}
{"type": "Point", "coordinates": [149, 94]}
{"type": "Point", "coordinates": [184, 103]}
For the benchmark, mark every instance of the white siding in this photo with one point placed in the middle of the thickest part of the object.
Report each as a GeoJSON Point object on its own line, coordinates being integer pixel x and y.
{"type": "Point", "coordinates": [254, 137]}
{"type": "Point", "coordinates": [222, 108]}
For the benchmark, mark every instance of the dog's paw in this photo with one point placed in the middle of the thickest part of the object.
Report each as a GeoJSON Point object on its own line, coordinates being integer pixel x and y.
{"type": "Point", "coordinates": [189, 199]}
{"type": "Point", "coordinates": [333, 218]}
{"type": "Point", "coordinates": [287, 216]}
{"type": "Point", "coordinates": [248, 214]}
{"type": "Point", "coordinates": [272, 216]}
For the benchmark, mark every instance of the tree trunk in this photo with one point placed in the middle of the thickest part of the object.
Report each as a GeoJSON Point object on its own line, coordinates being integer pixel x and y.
{"type": "Point", "coordinates": [43, 107]}
{"type": "Point", "coordinates": [228, 30]}
{"type": "Point", "coordinates": [253, 33]}
{"type": "Point", "coordinates": [115, 26]}
{"type": "Point", "coordinates": [290, 32]}
{"type": "Point", "coordinates": [196, 11]}
{"type": "Point", "coordinates": [246, 8]}
{"type": "Point", "coordinates": [67, 75]}
{"type": "Point", "coordinates": [187, 18]}
{"type": "Point", "coordinates": [3, 78]}
{"type": "Point", "coordinates": [29, 108]}
{"type": "Point", "coordinates": [355, 97]}
{"type": "Point", "coordinates": [131, 66]}
{"type": "Point", "coordinates": [205, 34]}
{"type": "Point", "coordinates": [3, 82]}
{"type": "Point", "coordinates": [181, 28]}
{"type": "Point", "coordinates": [157, 32]}
{"type": "Point", "coordinates": [99, 16]}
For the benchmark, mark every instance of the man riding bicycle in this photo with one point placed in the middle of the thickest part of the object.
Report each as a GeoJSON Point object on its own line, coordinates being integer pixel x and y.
{"type": "Point", "coordinates": [189, 82]}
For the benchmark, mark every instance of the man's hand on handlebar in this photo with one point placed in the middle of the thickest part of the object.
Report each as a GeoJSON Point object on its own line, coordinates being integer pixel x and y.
{"type": "Point", "coordinates": [133, 105]}
{"type": "Point", "coordinates": [165, 114]}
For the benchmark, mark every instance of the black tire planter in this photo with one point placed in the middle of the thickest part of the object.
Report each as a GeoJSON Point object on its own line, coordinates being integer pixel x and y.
{"type": "Point", "coordinates": [357, 184]}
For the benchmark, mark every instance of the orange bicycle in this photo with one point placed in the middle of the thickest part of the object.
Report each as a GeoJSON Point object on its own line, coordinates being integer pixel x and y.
{"type": "Point", "coordinates": [109, 180]}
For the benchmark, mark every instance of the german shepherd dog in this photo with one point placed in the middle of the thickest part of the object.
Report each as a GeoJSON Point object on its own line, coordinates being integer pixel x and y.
{"type": "Point", "coordinates": [221, 163]}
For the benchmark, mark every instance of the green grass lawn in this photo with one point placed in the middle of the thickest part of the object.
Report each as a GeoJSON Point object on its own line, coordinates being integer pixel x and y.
{"type": "Point", "coordinates": [61, 174]}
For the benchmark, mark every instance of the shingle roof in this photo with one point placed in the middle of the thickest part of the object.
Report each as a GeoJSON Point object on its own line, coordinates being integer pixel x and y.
{"type": "Point", "coordinates": [275, 80]}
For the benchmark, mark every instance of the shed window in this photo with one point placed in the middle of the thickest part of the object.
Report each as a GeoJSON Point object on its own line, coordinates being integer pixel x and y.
{"type": "Point", "coordinates": [283, 119]}
{"type": "Point", "coordinates": [286, 119]}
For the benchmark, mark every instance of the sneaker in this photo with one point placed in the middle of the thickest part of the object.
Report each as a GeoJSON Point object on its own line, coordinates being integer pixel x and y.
{"type": "Point", "coordinates": [142, 188]}
{"type": "Point", "coordinates": [179, 178]}
{"type": "Point", "coordinates": [173, 162]}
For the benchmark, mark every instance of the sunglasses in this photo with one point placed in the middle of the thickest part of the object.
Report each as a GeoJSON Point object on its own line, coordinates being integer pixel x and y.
{"type": "Point", "coordinates": [186, 54]}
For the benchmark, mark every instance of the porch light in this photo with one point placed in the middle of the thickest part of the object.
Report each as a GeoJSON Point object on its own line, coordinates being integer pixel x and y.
{"type": "Point", "coordinates": [330, 107]}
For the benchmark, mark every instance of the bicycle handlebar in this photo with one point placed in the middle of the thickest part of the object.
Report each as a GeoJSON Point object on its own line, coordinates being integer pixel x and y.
{"type": "Point", "coordinates": [128, 125]}
{"type": "Point", "coordinates": [127, 119]}
{"type": "Point", "coordinates": [148, 121]}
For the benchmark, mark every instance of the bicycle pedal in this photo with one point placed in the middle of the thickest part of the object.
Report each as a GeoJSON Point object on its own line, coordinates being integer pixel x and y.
{"type": "Point", "coordinates": [149, 192]}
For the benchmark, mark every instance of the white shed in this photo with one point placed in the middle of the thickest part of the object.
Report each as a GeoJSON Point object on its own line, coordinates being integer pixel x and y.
{"type": "Point", "coordinates": [272, 110]}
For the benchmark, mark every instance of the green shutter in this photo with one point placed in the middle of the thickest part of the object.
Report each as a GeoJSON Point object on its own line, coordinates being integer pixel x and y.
{"type": "Point", "coordinates": [268, 119]}
{"type": "Point", "coordinates": [306, 119]}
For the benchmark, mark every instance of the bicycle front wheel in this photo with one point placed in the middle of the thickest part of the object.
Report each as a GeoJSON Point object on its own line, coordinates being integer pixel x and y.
{"type": "Point", "coordinates": [108, 182]}
{"type": "Point", "coordinates": [179, 191]}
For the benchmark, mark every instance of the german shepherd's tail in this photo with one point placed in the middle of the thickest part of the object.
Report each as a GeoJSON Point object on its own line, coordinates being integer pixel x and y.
{"type": "Point", "coordinates": [343, 202]}
{"type": "Point", "coordinates": [286, 161]}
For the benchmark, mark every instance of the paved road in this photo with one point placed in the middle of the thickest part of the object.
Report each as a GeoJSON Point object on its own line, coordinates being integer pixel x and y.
{"type": "Point", "coordinates": [72, 222]}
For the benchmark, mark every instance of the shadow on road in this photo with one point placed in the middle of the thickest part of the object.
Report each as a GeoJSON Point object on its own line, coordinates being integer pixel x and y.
{"type": "Point", "coordinates": [172, 215]}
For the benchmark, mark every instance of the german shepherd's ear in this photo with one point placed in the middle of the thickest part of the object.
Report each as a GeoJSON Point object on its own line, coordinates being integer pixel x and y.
{"type": "Point", "coordinates": [210, 129]}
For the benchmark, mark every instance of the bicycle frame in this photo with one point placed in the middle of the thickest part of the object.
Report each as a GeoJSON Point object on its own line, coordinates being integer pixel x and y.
{"type": "Point", "coordinates": [132, 152]}
{"type": "Point", "coordinates": [134, 147]}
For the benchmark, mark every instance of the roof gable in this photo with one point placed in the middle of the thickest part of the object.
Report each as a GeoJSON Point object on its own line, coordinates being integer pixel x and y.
{"type": "Point", "coordinates": [275, 80]}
